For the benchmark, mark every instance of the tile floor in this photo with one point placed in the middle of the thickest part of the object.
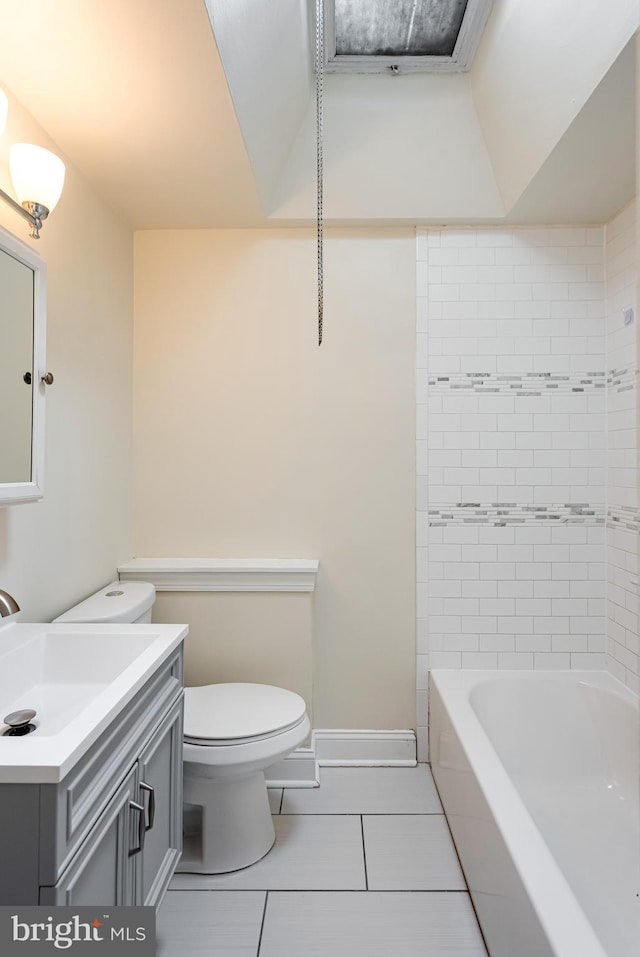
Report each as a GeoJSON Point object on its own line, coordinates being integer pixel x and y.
{"type": "Point", "coordinates": [363, 866]}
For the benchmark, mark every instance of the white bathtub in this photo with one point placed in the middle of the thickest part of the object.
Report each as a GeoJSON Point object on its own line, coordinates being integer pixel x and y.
{"type": "Point", "coordinates": [538, 774]}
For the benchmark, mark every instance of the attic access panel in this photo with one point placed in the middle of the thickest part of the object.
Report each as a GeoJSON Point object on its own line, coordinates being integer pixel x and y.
{"type": "Point", "coordinates": [401, 36]}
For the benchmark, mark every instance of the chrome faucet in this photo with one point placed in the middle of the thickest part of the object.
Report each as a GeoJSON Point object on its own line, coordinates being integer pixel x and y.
{"type": "Point", "coordinates": [8, 604]}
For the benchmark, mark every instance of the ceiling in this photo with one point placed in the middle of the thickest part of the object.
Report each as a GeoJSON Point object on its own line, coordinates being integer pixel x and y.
{"type": "Point", "coordinates": [181, 125]}
{"type": "Point", "coordinates": [133, 92]}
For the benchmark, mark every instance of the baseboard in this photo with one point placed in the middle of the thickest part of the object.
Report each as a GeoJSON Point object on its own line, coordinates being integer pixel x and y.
{"type": "Point", "coordinates": [356, 748]}
{"type": "Point", "coordinates": [298, 770]}
{"type": "Point", "coordinates": [343, 748]}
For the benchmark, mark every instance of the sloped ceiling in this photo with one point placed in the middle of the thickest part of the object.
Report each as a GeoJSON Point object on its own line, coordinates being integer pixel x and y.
{"type": "Point", "coordinates": [134, 94]}
{"type": "Point", "coordinates": [518, 137]}
{"type": "Point", "coordinates": [196, 113]}
{"type": "Point", "coordinates": [591, 173]}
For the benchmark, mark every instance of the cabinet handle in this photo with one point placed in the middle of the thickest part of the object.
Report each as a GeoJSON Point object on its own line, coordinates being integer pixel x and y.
{"type": "Point", "coordinates": [141, 828]}
{"type": "Point", "coordinates": [152, 802]}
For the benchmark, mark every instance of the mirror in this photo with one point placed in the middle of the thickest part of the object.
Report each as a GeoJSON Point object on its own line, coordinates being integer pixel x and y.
{"type": "Point", "coordinates": [22, 327]}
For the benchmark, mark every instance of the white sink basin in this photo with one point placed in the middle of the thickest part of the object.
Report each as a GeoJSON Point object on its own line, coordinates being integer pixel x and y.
{"type": "Point", "coordinates": [77, 678]}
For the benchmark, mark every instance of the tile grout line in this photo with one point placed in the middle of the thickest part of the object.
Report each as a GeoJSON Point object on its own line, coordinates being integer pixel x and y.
{"type": "Point", "coordinates": [264, 914]}
{"type": "Point", "coordinates": [364, 854]}
{"type": "Point", "coordinates": [321, 890]}
{"type": "Point", "coordinates": [360, 813]}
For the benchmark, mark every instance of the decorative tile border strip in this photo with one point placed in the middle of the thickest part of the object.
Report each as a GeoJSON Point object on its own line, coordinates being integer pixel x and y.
{"type": "Point", "coordinates": [623, 516]}
{"type": "Point", "coordinates": [503, 514]}
{"type": "Point", "coordinates": [528, 383]}
{"type": "Point", "coordinates": [622, 380]}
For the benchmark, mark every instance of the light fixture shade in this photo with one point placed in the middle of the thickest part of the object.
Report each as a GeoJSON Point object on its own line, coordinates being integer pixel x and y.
{"type": "Point", "coordinates": [37, 174]}
{"type": "Point", "coordinates": [4, 109]}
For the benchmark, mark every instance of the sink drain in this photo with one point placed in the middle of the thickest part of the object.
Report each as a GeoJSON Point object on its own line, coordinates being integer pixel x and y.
{"type": "Point", "coordinates": [19, 723]}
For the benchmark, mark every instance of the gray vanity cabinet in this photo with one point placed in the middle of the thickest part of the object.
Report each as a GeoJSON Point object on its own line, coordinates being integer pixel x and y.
{"type": "Point", "coordinates": [160, 768]}
{"type": "Point", "coordinates": [111, 832]}
{"type": "Point", "coordinates": [101, 873]}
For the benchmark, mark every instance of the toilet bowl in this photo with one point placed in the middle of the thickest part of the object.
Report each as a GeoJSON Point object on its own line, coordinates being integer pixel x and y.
{"type": "Point", "coordinates": [232, 733]}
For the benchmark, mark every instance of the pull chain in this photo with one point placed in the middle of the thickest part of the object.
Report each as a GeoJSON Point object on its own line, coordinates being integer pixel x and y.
{"type": "Point", "coordinates": [319, 158]}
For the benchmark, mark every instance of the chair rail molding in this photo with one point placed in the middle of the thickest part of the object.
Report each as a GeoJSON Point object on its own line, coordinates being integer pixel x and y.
{"type": "Point", "coordinates": [223, 574]}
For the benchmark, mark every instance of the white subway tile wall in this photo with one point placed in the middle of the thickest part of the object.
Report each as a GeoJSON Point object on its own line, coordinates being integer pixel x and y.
{"type": "Point", "coordinates": [513, 531]}
{"type": "Point", "coordinates": [623, 645]}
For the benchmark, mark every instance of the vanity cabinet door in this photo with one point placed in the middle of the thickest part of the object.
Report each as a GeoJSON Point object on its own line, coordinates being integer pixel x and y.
{"type": "Point", "coordinates": [100, 874]}
{"type": "Point", "coordinates": [159, 785]}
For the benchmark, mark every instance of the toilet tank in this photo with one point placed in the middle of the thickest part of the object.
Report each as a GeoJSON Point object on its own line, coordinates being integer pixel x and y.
{"type": "Point", "coordinates": [124, 602]}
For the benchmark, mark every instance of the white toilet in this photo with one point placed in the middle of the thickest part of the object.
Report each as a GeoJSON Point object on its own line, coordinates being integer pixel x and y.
{"type": "Point", "coordinates": [232, 732]}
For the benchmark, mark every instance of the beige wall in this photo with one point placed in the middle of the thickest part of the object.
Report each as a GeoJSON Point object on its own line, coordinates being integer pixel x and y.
{"type": "Point", "coordinates": [56, 551]}
{"type": "Point", "coordinates": [244, 637]}
{"type": "Point", "coordinates": [251, 442]}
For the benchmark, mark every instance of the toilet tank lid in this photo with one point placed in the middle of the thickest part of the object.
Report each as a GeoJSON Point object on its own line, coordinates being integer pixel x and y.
{"type": "Point", "coordinates": [117, 602]}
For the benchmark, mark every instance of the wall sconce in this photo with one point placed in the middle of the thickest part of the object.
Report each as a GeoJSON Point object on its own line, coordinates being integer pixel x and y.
{"type": "Point", "coordinates": [37, 175]}
{"type": "Point", "coordinates": [38, 178]}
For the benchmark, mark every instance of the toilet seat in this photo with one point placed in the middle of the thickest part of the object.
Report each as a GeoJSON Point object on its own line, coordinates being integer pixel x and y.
{"type": "Point", "coordinates": [236, 713]}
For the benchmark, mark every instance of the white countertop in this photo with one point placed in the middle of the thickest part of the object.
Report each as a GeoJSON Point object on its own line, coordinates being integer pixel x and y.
{"type": "Point", "coordinates": [78, 678]}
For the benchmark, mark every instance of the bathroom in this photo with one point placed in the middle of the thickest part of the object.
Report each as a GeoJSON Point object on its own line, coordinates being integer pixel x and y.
{"type": "Point", "coordinates": [193, 414]}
